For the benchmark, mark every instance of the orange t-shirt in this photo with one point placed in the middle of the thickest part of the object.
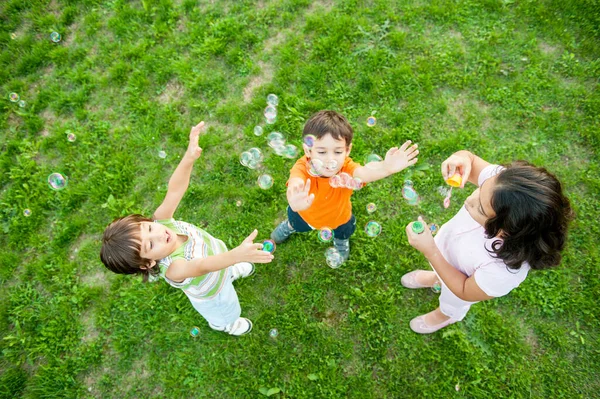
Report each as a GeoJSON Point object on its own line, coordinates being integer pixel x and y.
{"type": "Point", "coordinates": [331, 206]}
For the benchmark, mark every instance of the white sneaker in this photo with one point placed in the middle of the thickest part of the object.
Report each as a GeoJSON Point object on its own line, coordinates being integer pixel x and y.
{"type": "Point", "coordinates": [239, 327]}
{"type": "Point", "coordinates": [241, 270]}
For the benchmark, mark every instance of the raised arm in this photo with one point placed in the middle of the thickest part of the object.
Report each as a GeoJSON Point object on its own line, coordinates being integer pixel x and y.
{"type": "Point", "coordinates": [396, 159]}
{"type": "Point", "coordinates": [180, 180]}
{"type": "Point", "coordinates": [467, 164]}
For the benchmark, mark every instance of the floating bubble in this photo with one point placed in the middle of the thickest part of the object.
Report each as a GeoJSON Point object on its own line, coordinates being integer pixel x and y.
{"type": "Point", "coordinates": [27, 212]}
{"type": "Point", "coordinates": [256, 154]}
{"type": "Point", "coordinates": [371, 207]}
{"type": "Point", "coordinates": [309, 140]}
{"type": "Point", "coordinates": [55, 37]}
{"type": "Point", "coordinates": [333, 258]}
{"type": "Point", "coordinates": [245, 158]}
{"type": "Point", "coordinates": [290, 151]}
{"type": "Point", "coordinates": [325, 234]}
{"type": "Point", "coordinates": [13, 97]}
{"type": "Point", "coordinates": [273, 333]}
{"type": "Point", "coordinates": [436, 287]}
{"type": "Point", "coordinates": [162, 154]}
{"type": "Point", "coordinates": [265, 182]}
{"type": "Point", "coordinates": [273, 100]}
{"type": "Point", "coordinates": [258, 131]}
{"type": "Point", "coordinates": [13, 36]}
{"type": "Point", "coordinates": [22, 104]}
{"type": "Point", "coordinates": [409, 193]}
{"type": "Point", "coordinates": [194, 332]}
{"type": "Point", "coordinates": [315, 167]}
{"type": "Point", "coordinates": [446, 202]}
{"type": "Point", "coordinates": [355, 184]}
{"type": "Point", "coordinates": [372, 228]}
{"type": "Point", "coordinates": [280, 150]}
{"type": "Point", "coordinates": [331, 164]}
{"type": "Point", "coordinates": [408, 183]}
{"type": "Point", "coordinates": [433, 228]}
{"type": "Point", "coordinates": [276, 140]}
{"type": "Point", "coordinates": [373, 158]}
{"type": "Point", "coordinates": [344, 179]}
{"type": "Point", "coordinates": [238, 203]}
{"type": "Point", "coordinates": [371, 121]}
{"type": "Point", "coordinates": [269, 246]}
{"type": "Point", "coordinates": [335, 181]}
{"type": "Point", "coordinates": [71, 136]}
{"type": "Point", "coordinates": [253, 164]}
{"type": "Point", "coordinates": [57, 181]}
{"type": "Point", "coordinates": [270, 114]}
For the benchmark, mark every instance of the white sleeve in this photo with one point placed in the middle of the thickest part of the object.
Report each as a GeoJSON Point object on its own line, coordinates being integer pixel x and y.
{"type": "Point", "coordinates": [487, 172]}
{"type": "Point", "coordinates": [496, 279]}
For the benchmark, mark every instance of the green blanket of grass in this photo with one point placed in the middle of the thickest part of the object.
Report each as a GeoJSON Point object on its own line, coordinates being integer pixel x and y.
{"type": "Point", "coordinates": [507, 79]}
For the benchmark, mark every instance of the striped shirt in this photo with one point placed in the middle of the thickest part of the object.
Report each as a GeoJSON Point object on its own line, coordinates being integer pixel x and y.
{"type": "Point", "coordinates": [199, 244]}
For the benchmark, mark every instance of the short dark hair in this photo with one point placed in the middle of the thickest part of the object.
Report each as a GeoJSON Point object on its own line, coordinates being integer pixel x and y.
{"type": "Point", "coordinates": [329, 122]}
{"type": "Point", "coordinates": [121, 247]}
{"type": "Point", "coordinates": [532, 217]}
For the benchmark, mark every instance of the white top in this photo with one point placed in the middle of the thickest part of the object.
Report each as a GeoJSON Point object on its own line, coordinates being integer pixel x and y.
{"type": "Point", "coordinates": [463, 243]}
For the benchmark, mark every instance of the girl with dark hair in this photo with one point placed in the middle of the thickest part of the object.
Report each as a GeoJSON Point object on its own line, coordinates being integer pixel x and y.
{"type": "Point", "coordinates": [514, 221]}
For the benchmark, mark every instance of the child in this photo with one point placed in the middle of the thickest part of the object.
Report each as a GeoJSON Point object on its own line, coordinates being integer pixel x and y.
{"type": "Point", "coordinates": [516, 220]}
{"type": "Point", "coordinates": [313, 202]}
{"type": "Point", "coordinates": [185, 256]}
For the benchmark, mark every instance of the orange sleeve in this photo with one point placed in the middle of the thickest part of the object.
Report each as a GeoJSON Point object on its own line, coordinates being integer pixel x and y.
{"type": "Point", "coordinates": [299, 169]}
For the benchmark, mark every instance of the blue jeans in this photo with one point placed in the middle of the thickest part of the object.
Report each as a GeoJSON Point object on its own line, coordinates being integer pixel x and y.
{"type": "Point", "coordinates": [342, 232]}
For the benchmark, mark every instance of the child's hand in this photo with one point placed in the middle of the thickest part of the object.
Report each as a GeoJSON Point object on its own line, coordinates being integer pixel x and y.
{"type": "Point", "coordinates": [298, 196]}
{"type": "Point", "coordinates": [248, 251]}
{"type": "Point", "coordinates": [398, 159]}
{"type": "Point", "coordinates": [193, 150]}
{"type": "Point", "coordinates": [457, 163]}
{"type": "Point", "coordinates": [424, 241]}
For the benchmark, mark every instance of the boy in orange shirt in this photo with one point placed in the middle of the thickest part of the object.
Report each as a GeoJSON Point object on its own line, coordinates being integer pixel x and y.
{"type": "Point", "coordinates": [316, 200]}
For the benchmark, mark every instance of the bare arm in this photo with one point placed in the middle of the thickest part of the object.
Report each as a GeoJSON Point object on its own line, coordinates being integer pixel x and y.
{"type": "Point", "coordinates": [461, 285]}
{"type": "Point", "coordinates": [467, 164]}
{"type": "Point", "coordinates": [247, 251]}
{"type": "Point", "coordinates": [396, 160]}
{"type": "Point", "coordinates": [180, 180]}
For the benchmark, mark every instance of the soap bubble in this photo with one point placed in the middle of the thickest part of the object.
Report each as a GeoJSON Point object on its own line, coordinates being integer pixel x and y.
{"type": "Point", "coordinates": [55, 37]}
{"type": "Point", "coordinates": [256, 154]}
{"type": "Point", "coordinates": [71, 136]}
{"type": "Point", "coordinates": [276, 140]}
{"type": "Point", "coordinates": [371, 207]}
{"type": "Point", "coordinates": [446, 202]}
{"type": "Point", "coordinates": [409, 193]}
{"type": "Point", "coordinates": [57, 181]}
{"type": "Point", "coordinates": [195, 331]}
{"type": "Point", "coordinates": [436, 287]}
{"type": "Point", "coordinates": [315, 167]}
{"type": "Point", "coordinates": [13, 36]}
{"type": "Point", "coordinates": [371, 121]}
{"type": "Point", "coordinates": [333, 258]}
{"type": "Point", "coordinates": [331, 164]}
{"type": "Point", "coordinates": [265, 182]}
{"type": "Point", "coordinates": [433, 228]}
{"type": "Point", "coordinates": [258, 131]}
{"type": "Point", "coordinates": [273, 100]}
{"type": "Point", "coordinates": [290, 151]}
{"type": "Point", "coordinates": [408, 183]}
{"type": "Point", "coordinates": [27, 212]}
{"type": "Point", "coordinates": [355, 184]}
{"type": "Point", "coordinates": [280, 150]}
{"type": "Point", "coordinates": [325, 234]}
{"type": "Point", "coordinates": [344, 179]}
{"type": "Point", "coordinates": [273, 333]}
{"type": "Point", "coordinates": [372, 228]}
{"type": "Point", "coordinates": [245, 158]}
{"type": "Point", "coordinates": [162, 154]}
{"type": "Point", "coordinates": [270, 114]}
{"type": "Point", "coordinates": [22, 104]}
{"type": "Point", "coordinates": [238, 203]}
{"type": "Point", "coordinates": [309, 140]}
{"type": "Point", "coordinates": [335, 181]}
{"type": "Point", "coordinates": [269, 246]}
{"type": "Point", "coordinates": [13, 97]}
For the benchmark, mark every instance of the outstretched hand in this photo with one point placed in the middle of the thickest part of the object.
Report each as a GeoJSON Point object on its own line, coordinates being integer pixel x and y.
{"type": "Point", "coordinates": [397, 159]}
{"type": "Point", "coordinates": [457, 163]}
{"type": "Point", "coordinates": [298, 196]}
{"type": "Point", "coordinates": [193, 150]}
{"type": "Point", "coordinates": [248, 251]}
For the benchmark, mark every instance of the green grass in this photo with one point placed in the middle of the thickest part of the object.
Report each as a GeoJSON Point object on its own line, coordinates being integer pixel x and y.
{"type": "Point", "coordinates": [506, 79]}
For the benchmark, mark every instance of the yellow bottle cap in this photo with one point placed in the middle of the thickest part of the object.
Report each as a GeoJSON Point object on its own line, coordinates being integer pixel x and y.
{"type": "Point", "coordinates": [455, 180]}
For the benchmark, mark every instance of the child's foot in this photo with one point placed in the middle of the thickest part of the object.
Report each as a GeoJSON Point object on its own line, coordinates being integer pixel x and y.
{"type": "Point", "coordinates": [343, 247]}
{"type": "Point", "coordinates": [419, 279]}
{"type": "Point", "coordinates": [241, 270]}
{"type": "Point", "coordinates": [282, 232]}
{"type": "Point", "coordinates": [430, 322]}
{"type": "Point", "coordinates": [239, 327]}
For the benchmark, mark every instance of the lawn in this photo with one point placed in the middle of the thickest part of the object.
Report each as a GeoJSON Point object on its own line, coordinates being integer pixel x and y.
{"type": "Point", "coordinates": [506, 79]}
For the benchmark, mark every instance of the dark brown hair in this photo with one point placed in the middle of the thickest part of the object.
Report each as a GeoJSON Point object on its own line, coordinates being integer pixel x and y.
{"type": "Point", "coordinates": [532, 217]}
{"type": "Point", "coordinates": [329, 122]}
{"type": "Point", "coordinates": [121, 247]}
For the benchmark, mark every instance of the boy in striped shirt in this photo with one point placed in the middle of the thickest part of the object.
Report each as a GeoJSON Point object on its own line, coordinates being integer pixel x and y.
{"type": "Point", "coordinates": [185, 256]}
